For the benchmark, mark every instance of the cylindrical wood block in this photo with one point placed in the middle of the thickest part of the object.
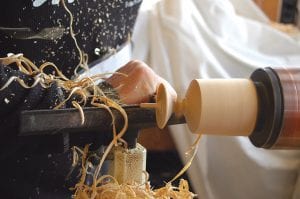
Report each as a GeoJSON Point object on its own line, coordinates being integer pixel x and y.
{"type": "Point", "coordinates": [221, 106]}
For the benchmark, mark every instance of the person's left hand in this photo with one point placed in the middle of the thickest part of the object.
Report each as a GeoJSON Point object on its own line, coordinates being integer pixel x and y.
{"type": "Point", "coordinates": [139, 85]}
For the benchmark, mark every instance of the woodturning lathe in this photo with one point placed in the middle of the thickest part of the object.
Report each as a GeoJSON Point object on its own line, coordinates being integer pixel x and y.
{"type": "Point", "coordinates": [265, 107]}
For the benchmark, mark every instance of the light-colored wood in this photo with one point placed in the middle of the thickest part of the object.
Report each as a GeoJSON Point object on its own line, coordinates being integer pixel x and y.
{"type": "Point", "coordinates": [191, 106]}
{"type": "Point", "coordinates": [148, 105]}
{"type": "Point", "coordinates": [163, 105]}
{"type": "Point", "coordinates": [221, 106]}
{"type": "Point", "coordinates": [211, 106]}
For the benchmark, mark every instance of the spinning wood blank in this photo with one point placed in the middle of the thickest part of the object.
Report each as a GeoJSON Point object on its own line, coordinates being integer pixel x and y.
{"type": "Point", "coordinates": [163, 106]}
{"type": "Point", "coordinates": [221, 106]}
{"type": "Point", "coordinates": [215, 106]}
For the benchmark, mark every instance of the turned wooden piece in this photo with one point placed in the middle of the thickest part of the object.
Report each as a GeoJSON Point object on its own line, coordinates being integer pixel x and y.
{"type": "Point", "coordinates": [211, 106]}
{"type": "Point", "coordinates": [163, 106]}
{"type": "Point", "coordinates": [221, 106]}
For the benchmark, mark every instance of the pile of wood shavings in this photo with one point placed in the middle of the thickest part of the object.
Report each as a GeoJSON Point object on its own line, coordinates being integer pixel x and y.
{"type": "Point", "coordinates": [108, 187]}
{"type": "Point", "coordinates": [114, 190]}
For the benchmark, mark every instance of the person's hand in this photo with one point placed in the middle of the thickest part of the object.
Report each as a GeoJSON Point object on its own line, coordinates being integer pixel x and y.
{"type": "Point", "coordinates": [139, 85]}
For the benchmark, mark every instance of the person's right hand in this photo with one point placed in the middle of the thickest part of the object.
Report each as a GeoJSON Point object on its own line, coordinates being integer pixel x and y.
{"type": "Point", "coordinates": [140, 83]}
